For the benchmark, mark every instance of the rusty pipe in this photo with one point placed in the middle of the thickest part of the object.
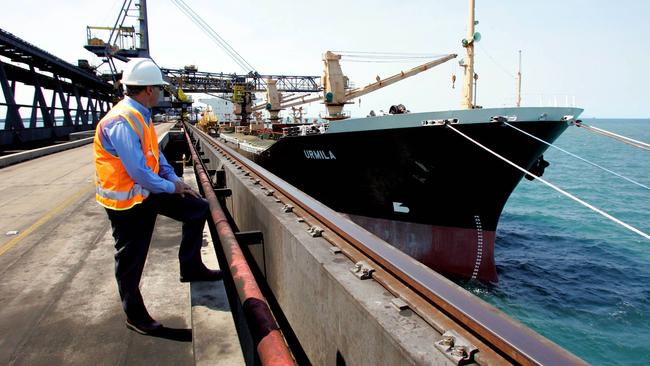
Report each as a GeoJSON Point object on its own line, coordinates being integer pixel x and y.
{"type": "Point", "coordinates": [270, 343]}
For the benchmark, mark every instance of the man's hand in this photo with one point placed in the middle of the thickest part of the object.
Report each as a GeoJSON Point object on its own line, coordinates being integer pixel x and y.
{"type": "Point", "coordinates": [182, 188]}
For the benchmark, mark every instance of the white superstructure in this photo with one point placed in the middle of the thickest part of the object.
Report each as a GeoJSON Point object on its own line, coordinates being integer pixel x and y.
{"type": "Point", "coordinates": [221, 108]}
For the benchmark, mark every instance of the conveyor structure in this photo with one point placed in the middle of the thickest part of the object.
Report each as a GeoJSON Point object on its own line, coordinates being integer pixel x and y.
{"type": "Point", "coordinates": [79, 98]}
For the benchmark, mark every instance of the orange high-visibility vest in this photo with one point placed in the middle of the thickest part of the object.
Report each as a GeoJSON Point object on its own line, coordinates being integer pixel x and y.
{"type": "Point", "coordinates": [114, 188]}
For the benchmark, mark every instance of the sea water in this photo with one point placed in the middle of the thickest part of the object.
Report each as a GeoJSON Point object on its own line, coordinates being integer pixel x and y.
{"type": "Point", "coordinates": [568, 273]}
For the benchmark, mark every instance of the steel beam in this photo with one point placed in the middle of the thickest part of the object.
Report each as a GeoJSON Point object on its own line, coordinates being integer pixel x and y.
{"type": "Point", "coordinates": [207, 82]}
{"type": "Point", "coordinates": [21, 51]}
{"type": "Point", "coordinates": [66, 81]}
{"type": "Point", "coordinates": [39, 101]}
{"type": "Point", "coordinates": [13, 120]}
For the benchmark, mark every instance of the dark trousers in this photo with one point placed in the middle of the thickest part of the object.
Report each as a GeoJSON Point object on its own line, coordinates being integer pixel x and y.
{"type": "Point", "coordinates": [132, 230]}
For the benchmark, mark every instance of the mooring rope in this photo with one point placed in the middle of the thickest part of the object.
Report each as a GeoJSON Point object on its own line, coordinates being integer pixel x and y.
{"type": "Point", "coordinates": [578, 157]}
{"type": "Point", "coordinates": [636, 143]}
{"type": "Point", "coordinates": [588, 205]}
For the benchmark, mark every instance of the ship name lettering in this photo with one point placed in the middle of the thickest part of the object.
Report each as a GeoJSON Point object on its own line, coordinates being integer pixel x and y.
{"type": "Point", "coordinates": [319, 154]}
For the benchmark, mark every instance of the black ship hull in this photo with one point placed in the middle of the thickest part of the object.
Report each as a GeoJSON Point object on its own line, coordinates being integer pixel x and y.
{"type": "Point", "coordinates": [426, 190]}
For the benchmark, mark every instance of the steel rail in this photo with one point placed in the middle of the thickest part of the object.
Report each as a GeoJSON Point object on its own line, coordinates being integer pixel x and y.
{"type": "Point", "coordinates": [489, 324]}
{"type": "Point", "coordinates": [269, 341]}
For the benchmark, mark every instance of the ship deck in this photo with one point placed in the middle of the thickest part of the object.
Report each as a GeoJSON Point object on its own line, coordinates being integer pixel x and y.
{"type": "Point", "coordinates": [261, 144]}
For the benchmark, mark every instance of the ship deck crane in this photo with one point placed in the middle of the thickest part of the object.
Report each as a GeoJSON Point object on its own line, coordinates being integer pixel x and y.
{"type": "Point", "coordinates": [335, 88]}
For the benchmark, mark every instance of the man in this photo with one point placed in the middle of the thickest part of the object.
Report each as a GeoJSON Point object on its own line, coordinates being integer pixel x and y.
{"type": "Point", "coordinates": [134, 183]}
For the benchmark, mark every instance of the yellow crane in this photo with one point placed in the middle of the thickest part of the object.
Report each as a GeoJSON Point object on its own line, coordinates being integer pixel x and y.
{"type": "Point", "coordinates": [208, 121]}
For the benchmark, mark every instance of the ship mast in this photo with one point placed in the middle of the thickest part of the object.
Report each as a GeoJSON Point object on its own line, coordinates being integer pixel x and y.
{"type": "Point", "coordinates": [468, 43]}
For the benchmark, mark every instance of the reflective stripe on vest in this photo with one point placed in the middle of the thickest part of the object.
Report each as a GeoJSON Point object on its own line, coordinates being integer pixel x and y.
{"type": "Point", "coordinates": [122, 196]}
{"type": "Point", "coordinates": [114, 187]}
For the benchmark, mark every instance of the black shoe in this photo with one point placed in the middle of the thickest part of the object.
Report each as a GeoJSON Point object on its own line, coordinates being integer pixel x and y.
{"type": "Point", "coordinates": [144, 327]}
{"type": "Point", "coordinates": [202, 274]}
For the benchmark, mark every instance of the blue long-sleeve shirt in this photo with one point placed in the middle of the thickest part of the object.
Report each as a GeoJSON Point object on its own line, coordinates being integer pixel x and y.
{"type": "Point", "coordinates": [118, 138]}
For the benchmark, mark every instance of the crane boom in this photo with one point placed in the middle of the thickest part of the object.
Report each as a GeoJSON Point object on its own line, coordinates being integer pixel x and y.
{"type": "Point", "coordinates": [395, 78]}
{"type": "Point", "coordinates": [304, 100]}
{"type": "Point", "coordinates": [292, 102]}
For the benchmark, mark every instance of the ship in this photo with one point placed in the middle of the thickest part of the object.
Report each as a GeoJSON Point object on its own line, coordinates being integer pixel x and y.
{"type": "Point", "coordinates": [431, 184]}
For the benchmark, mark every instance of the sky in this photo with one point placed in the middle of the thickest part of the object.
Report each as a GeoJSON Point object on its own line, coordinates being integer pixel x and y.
{"type": "Point", "coordinates": [591, 53]}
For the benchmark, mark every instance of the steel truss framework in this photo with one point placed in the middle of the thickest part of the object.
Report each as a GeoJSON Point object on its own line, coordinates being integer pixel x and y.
{"type": "Point", "coordinates": [206, 82]}
{"type": "Point", "coordinates": [79, 96]}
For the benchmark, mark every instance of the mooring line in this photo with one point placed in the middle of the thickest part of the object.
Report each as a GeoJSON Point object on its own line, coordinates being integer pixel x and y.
{"type": "Point", "coordinates": [586, 204]}
{"type": "Point", "coordinates": [636, 143]}
{"type": "Point", "coordinates": [578, 157]}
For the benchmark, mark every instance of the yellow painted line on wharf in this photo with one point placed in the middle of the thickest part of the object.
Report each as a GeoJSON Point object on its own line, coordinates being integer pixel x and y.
{"type": "Point", "coordinates": [44, 219]}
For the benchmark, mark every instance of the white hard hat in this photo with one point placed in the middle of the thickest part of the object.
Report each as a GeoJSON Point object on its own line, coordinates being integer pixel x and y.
{"type": "Point", "coordinates": [142, 72]}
